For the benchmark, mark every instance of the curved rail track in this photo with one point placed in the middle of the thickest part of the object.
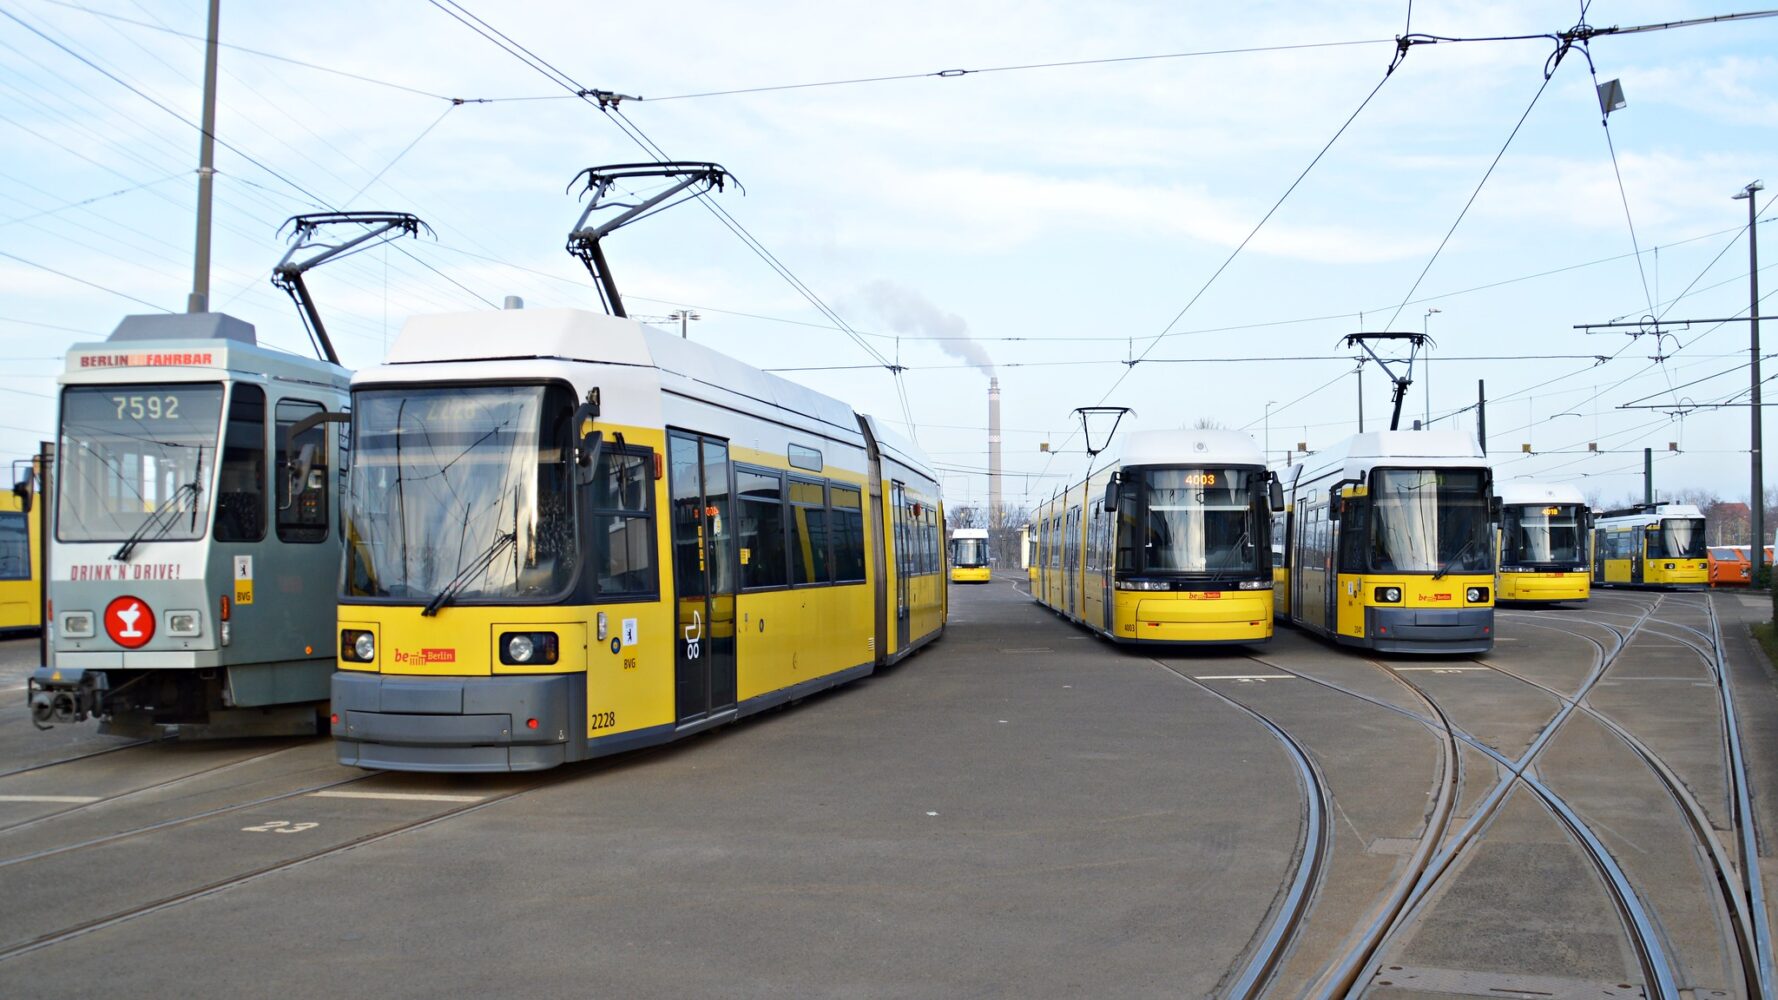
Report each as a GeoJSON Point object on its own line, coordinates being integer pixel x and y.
{"type": "Point", "coordinates": [1312, 861]}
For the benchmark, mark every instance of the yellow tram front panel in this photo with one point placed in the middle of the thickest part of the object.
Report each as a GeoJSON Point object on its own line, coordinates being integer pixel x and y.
{"type": "Point", "coordinates": [1363, 612]}
{"type": "Point", "coordinates": [1192, 615]}
{"type": "Point", "coordinates": [1657, 572]}
{"type": "Point", "coordinates": [970, 574]}
{"type": "Point", "coordinates": [628, 686]}
{"type": "Point", "coordinates": [1544, 586]}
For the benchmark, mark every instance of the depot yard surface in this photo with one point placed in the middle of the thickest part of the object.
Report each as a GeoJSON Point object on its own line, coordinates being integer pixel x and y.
{"type": "Point", "coordinates": [1021, 810]}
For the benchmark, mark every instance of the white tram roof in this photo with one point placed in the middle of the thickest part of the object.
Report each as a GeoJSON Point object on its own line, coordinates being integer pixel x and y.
{"type": "Point", "coordinates": [190, 347]}
{"type": "Point", "coordinates": [580, 336]}
{"type": "Point", "coordinates": [1652, 512]}
{"type": "Point", "coordinates": [1360, 453]}
{"type": "Point", "coordinates": [1517, 492]}
{"type": "Point", "coordinates": [1189, 447]}
{"type": "Point", "coordinates": [969, 532]}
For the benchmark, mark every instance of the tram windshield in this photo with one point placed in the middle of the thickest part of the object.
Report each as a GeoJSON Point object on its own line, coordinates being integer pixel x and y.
{"type": "Point", "coordinates": [463, 488]}
{"type": "Point", "coordinates": [1197, 520]}
{"type": "Point", "coordinates": [1429, 521]}
{"type": "Point", "coordinates": [1678, 538]}
{"type": "Point", "coordinates": [969, 553]}
{"type": "Point", "coordinates": [135, 453]}
{"type": "Point", "coordinates": [1538, 534]}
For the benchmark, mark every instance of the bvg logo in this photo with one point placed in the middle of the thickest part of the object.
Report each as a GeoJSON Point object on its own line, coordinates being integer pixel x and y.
{"type": "Point", "coordinates": [1433, 597]}
{"type": "Point", "coordinates": [426, 656]}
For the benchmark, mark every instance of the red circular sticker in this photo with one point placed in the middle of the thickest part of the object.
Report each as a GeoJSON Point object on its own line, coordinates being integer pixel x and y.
{"type": "Point", "coordinates": [129, 622]}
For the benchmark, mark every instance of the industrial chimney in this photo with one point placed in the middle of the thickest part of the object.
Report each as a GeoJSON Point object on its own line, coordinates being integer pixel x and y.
{"type": "Point", "coordinates": [994, 507]}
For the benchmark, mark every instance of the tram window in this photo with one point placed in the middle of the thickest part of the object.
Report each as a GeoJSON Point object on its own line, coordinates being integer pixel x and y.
{"type": "Point", "coordinates": [302, 474]}
{"type": "Point", "coordinates": [15, 547]}
{"type": "Point", "coordinates": [619, 524]}
{"type": "Point", "coordinates": [810, 558]}
{"type": "Point", "coordinates": [847, 520]}
{"type": "Point", "coordinates": [761, 528]}
{"type": "Point", "coordinates": [240, 493]}
{"type": "Point", "coordinates": [1354, 531]}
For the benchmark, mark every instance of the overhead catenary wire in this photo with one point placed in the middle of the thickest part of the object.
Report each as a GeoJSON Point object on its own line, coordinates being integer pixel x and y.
{"type": "Point", "coordinates": [503, 41]}
{"type": "Point", "coordinates": [219, 141]}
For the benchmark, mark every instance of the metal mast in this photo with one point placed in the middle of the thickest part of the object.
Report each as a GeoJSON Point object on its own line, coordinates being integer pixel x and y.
{"type": "Point", "coordinates": [200, 276]}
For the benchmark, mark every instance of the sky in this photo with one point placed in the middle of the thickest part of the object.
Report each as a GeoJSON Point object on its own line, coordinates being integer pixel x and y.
{"type": "Point", "coordinates": [1218, 192]}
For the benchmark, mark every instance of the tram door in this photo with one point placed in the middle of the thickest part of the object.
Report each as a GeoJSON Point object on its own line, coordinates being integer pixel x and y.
{"type": "Point", "coordinates": [904, 566]}
{"type": "Point", "coordinates": [703, 576]}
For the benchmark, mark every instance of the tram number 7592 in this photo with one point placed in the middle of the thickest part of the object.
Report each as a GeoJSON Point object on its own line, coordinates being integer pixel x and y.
{"type": "Point", "coordinates": [147, 407]}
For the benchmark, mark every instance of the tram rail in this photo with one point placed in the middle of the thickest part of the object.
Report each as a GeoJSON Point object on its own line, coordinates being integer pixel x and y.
{"type": "Point", "coordinates": [1293, 910]}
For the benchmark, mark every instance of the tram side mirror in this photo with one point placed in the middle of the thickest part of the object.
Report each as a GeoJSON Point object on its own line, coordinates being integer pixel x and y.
{"type": "Point", "coordinates": [26, 490]}
{"type": "Point", "coordinates": [587, 441]}
{"type": "Point", "coordinates": [1494, 509]}
{"type": "Point", "coordinates": [1111, 493]}
{"type": "Point", "coordinates": [1333, 503]}
{"type": "Point", "coordinates": [1275, 492]}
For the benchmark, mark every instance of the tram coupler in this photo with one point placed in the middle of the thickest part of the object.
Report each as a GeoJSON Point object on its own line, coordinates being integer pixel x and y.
{"type": "Point", "coordinates": [62, 695]}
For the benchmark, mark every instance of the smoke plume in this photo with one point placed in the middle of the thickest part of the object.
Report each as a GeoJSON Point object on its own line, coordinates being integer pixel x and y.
{"type": "Point", "coordinates": [908, 313]}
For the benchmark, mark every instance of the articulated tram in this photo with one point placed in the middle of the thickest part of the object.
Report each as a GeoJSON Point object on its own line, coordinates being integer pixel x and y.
{"type": "Point", "coordinates": [1651, 545]}
{"type": "Point", "coordinates": [969, 555]}
{"type": "Point", "coordinates": [1389, 546]}
{"type": "Point", "coordinates": [569, 534]}
{"type": "Point", "coordinates": [194, 542]}
{"type": "Point", "coordinates": [1542, 544]}
{"type": "Point", "coordinates": [1166, 543]}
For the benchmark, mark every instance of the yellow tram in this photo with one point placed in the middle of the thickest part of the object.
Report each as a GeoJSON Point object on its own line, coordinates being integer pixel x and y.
{"type": "Point", "coordinates": [1166, 543]}
{"type": "Point", "coordinates": [1388, 544]}
{"type": "Point", "coordinates": [1542, 543]}
{"type": "Point", "coordinates": [569, 534]}
{"type": "Point", "coordinates": [969, 555]}
{"type": "Point", "coordinates": [21, 543]}
{"type": "Point", "coordinates": [1651, 545]}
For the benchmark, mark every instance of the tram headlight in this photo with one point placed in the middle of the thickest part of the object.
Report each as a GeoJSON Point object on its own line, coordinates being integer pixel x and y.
{"type": "Point", "coordinates": [357, 645]}
{"type": "Point", "coordinates": [1388, 595]}
{"type": "Point", "coordinates": [184, 623]}
{"type": "Point", "coordinates": [77, 625]}
{"type": "Point", "coordinates": [524, 648]}
{"type": "Point", "coordinates": [1256, 585]}
{"type": "Point", "coordinates": [1476, 595]}
{"type": "Point", "coordinates": [1144, 585]}
{"type": "Point", "coordinates": [1671, 566]}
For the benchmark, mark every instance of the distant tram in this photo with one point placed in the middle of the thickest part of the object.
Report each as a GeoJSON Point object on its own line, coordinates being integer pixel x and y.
{"type": "Point", "coordinates": [195, 541]}
{"type": "Point", "coordinates": [1543, 543]}
{"type": "Point", "coordinates": [569, 534]}
{"type": "Point", "coordinates": [1651, 545]}
{"type": "Point", "coordinates": [1168, 542]}
{"type": "Point", "coordinates": [21, 541]}
{"type": "Point", "coordinates": [1389, 544]}
{"type": "Point", "coordinates": [969, 555]}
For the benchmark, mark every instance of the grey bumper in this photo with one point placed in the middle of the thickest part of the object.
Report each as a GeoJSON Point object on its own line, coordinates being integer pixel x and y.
{"type": "Point", "coordinates": [458, 723]}
{"type": "Point", "coordinates": [1426, 630]}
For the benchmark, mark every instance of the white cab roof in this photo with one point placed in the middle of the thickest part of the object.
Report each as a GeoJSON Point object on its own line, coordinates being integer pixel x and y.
{"type": "Point", "coordinates": [1523, 492]}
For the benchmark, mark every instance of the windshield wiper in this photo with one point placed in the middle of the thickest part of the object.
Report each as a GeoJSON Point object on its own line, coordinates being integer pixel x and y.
{"type": "Point", "coordinates": [159, 520]}
{"type": "Point", "coordinates": [1228, 558]}
{"type": "Point", "coordinates": [476, 566]}
{"type": "Point", "coordinates": [1446, 568]}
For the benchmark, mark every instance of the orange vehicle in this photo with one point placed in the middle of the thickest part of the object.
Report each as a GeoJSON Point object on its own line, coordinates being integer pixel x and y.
{"type": "Point", "coordinates": [1730, 565]}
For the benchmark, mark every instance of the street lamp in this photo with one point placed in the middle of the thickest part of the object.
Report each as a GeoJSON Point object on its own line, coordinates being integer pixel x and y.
{"type": "Point", "coordinates": [1757, 501]}
{"type": "Point", "coordinates": [1426, 375]}
{"type": "Point", "coordinates": [684, 316]}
